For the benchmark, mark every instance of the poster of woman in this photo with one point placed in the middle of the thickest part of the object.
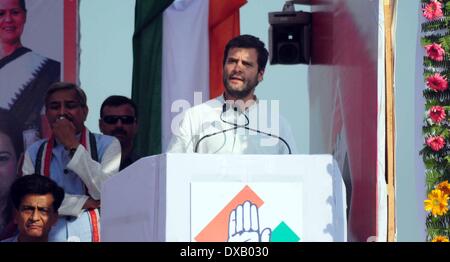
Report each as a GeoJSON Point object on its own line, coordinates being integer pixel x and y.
{"type": "Point", "coordinates": [31, 58]}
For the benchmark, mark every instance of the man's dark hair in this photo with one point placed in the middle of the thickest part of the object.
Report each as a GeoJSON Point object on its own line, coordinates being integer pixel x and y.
{"type": "Point", "coordinates": [22, 5]}
{"type": "Point", "coordinates": [115, 101]}
{"type": "Point", "coordinates": [59, 86]}
{"type": "Point", "coordinates": [10, 127]}
{"type": "Point", "coordinates": [35, 185]}
{"type": "Point", "coordinates": [248, 41]}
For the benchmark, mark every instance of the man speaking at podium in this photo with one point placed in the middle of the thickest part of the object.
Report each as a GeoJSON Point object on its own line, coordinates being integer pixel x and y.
{"type": "Point", "coordinates": [236, 122]}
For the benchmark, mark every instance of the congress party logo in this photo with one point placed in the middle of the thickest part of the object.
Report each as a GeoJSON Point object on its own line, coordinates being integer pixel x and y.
{"type": "Point", "coordinates": [241, 220]}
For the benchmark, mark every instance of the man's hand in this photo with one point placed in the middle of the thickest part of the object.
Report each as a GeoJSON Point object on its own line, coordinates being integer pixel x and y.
{"type": "Point", "coordinates": [65, 132]}
{"type": "Point", "coordinates": [91, 203]}
{"type": "Point", "coordinates": [243, 225]}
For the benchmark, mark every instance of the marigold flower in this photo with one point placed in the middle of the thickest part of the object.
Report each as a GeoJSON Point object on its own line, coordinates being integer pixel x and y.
{"type": "Point", "coordinates": [436, 142]}
{"type": "Point", "coordinates": [440, 239]}
{"type": "Point", "coordinates": [444, 187]}
{"type": "Point", "coordinates": [437, 114]}
{"type": "Point", "coordinates": [437, 203]}
{"type": "Point", "coordinates": [433, 10]}
{"type": "Point", "coordinates": [437, 82]}
{"type": "Point", "coordinates": [435, 51]}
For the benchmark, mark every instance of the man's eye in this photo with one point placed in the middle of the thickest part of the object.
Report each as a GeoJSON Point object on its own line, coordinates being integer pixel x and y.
{"type": "Point", "coordinates": [27, 210]}
{"type": "Point", "coordinates": [44, 211]}
{"type": "Point", "coordinates": [72, 105]}
{"type": "Point", "coordinates": [4, 157]}
{"type": "Point", "coordinates": [53, 106]}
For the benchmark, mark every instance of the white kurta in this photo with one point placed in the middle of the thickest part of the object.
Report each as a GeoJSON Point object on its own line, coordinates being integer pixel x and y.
{"type": "Point", "coordinates": [79, 176]}
{"type": "Point", "coordinates": [84, 171]}
{"type": "Point", "coordinates": [205, 127]}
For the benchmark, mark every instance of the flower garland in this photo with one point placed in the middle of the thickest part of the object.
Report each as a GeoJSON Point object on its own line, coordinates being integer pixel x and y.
{"type": "Point", "coordinates": [436, 151]}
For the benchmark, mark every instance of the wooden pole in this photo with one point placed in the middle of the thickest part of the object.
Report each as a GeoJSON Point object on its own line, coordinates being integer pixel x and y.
{"type": "Point", "coordinates": [390, 118]}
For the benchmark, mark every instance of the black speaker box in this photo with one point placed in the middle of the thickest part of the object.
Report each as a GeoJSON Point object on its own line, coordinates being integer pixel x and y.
{"type": "Point", "coordinates": [289, 37]}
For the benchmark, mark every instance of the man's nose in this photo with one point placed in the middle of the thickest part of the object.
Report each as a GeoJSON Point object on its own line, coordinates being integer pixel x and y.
{"type": "Point", "coordinates": [62, 110]}
{"type": "Point", "coordinates": [119, 123]}
{"type": "Point", "coordinates": [238, 67]}
{"type": "Point", "coordinates": [35, 215]}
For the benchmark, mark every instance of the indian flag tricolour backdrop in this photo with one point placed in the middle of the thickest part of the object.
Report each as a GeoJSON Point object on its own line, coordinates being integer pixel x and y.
{"type": "Point", "coordinates": [178, 52]}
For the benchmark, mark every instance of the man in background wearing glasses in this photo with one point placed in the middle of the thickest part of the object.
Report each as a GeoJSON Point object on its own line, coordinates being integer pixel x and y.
{"type": "Point", "coordinates": [118, 118]}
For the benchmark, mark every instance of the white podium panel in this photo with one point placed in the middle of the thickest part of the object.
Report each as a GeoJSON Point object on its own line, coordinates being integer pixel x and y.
{"type": "Point", "coordinates": [207, 197]}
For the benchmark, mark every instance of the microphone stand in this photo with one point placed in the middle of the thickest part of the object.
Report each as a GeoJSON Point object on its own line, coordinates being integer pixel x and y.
{"type": "Point", "coordinates": [236, 126]}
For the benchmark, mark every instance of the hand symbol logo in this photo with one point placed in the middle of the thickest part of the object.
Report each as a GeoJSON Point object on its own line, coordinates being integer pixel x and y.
{"type": "Point", "coordinates": [243, 225]}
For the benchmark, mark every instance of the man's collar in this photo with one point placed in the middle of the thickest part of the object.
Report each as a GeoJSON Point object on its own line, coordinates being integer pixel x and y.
{"type": "Point", "coordinates": [240, 105]}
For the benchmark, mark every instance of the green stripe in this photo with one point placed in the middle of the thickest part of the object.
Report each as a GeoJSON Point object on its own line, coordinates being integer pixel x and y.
{"type": "Point", "coordinates": [146, 90]}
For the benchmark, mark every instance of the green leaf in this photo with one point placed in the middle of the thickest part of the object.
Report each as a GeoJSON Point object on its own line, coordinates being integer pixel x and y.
{"type": "Point", "coordinates": [429, 163]}
{"type": "Point", "coordinates": [444, 132]}
{"type": "Point", "coordinates": [447, 7]}
{"type": "Point", "coordinates": [430, 103]}
{"type": "Point", "coordinates": [425, 41]}
{"type": "Point", "coordinates": [434, 25]}
{"type": "Point", "coordinates": [445, 41]}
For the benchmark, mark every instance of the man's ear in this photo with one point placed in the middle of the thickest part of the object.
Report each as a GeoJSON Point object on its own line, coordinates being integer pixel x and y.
{"type": "Point", "coordinates": [260, 75]}
{"type": "Point", "coordinates": [85, 112]}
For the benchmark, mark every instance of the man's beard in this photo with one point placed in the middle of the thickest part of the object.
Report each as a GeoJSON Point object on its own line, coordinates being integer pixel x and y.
{"type": "Point", "coordinates": [249, 86]}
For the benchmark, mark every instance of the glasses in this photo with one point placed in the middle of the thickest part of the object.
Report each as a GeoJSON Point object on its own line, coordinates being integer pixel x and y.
{"type": "Point", "coordinates": [126, 120]}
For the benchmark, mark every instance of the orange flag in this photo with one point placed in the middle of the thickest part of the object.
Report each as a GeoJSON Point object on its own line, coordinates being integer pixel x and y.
{"type": "Point", "coordinates": [224, 24]}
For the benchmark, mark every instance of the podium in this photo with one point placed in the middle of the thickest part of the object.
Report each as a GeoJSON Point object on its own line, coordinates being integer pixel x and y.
{"type": "Point", "coordinates": [211, 197]}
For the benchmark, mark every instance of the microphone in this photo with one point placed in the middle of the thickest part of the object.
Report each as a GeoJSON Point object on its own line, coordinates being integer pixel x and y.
{"type": "Point", "coordinates": [210, 135]}
{"type": "Point", "coordinates": [224, 109]}
{"type": "Point", "coordinates": [236, 126]}
{"type": "Point", "coordinates": [271, 135]}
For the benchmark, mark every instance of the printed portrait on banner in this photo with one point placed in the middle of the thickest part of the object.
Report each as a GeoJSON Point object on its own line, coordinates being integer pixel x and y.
{"type": "Point", "coordinates": [31, 59]}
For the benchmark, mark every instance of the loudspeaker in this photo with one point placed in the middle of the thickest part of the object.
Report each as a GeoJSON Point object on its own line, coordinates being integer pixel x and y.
{"type": "Point", "coordinates": [289, 37]}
